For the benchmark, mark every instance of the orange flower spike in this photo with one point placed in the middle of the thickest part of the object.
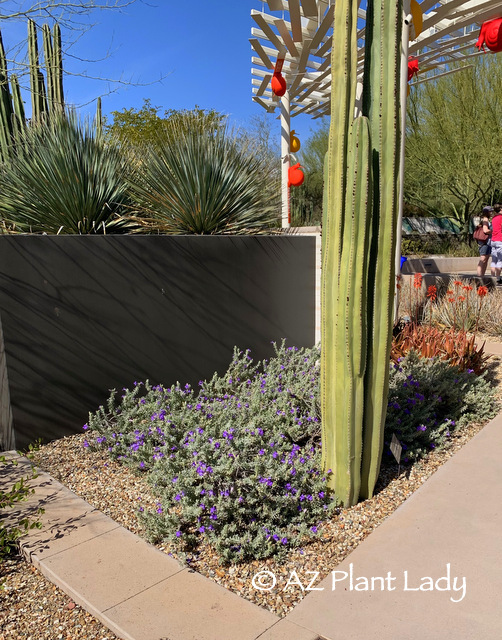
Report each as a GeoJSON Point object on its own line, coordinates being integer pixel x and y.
{"type": "Point", "coordinates": [467, 288]}
{"type": "Point", "coordinates": [417, 281]}
{"type": "Point", "coordinates": [482, 291]}
{"type": "Point", "coordinates": [458, 283]}
{"type": "Point", "coordinates": [432, 292]}
{"type": "Point", "coordinates": [450, 292]}
{"type": "Point", "coordinates": [461, 298]}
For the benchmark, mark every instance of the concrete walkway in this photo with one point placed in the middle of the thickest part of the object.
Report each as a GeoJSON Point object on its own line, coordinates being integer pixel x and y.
{"type": "Point", "coordinates": [432, 570]}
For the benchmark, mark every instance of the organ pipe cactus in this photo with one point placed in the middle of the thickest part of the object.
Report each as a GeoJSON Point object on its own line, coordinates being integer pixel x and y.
{"type": "Point", "coordinates": [359, 220]}
{"type": "Point", "coordinates": [50, 104]}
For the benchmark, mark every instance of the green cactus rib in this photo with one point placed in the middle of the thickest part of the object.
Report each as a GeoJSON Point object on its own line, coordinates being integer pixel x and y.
{"type": "Point", "coordinates": [360, 211]}
{"type": "Point", "coordinates": [381, 103]}
{"type": "Point", "coordinates": [5, 107]}
{"type": "Point", "coordinates": [351, 331]}
{"type": "Point", "coordinates": [48, 58]}
{"type": "Point", "coordinates": [57, 70]}
{"type": "Point", "coordinates": [344, 64]}
{"type": "Point", "coordinates": [19, 119]}
{"type": "Point", "coordinates": [37, 83]}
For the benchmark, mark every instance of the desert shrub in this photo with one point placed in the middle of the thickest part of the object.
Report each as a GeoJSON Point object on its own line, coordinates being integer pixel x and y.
{"type": "Point", "coordinates": [428, 399]}
{"type": "Point", "coordinates": [9, 535]}
{"type": "Point", "coordinates": [435, 244]}
{"type": "Point", "coordinates": [67, 179]}
{"type": "Point", "coordinates": [430, 342]}
{"type": "Point", "coordinates": [459, 305]}
{"type": "Point", "coordinates": [236, 463]}
{"type": "Point", "coordinates": [491, 314]}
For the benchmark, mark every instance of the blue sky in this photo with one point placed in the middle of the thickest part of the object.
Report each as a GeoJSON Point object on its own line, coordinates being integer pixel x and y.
{"type": "Point", "coordinates": [201, 47]}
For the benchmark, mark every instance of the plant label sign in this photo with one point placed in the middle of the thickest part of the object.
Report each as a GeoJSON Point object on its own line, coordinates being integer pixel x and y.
{"type": "Point", "coordinates": [396, 448]}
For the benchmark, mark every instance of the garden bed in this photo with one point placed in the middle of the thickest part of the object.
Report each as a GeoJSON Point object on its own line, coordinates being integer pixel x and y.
{"type": "Point", "coordinates": [117, 491]}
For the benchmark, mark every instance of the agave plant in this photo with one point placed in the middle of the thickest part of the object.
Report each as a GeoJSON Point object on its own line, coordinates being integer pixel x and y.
{"type": "Point", "coordinates": [64, 179]}
{"type": "Point", "coordinates": [206, 182]}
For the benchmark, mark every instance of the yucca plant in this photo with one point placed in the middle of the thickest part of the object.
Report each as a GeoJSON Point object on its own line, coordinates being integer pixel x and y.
{"type": "Point", "coordinates": [64, 179]}
{"type": "Point", "coordinates": [206, 182]}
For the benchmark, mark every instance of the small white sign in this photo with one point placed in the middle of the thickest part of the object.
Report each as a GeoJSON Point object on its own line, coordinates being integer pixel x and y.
{"type": "Point", "coordinates": [396, 448]}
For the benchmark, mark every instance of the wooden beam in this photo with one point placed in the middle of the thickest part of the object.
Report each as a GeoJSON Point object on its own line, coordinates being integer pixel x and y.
{"type": "Point", "coordinates": [286, 36]}
{"type": "Point", "coordinates": [296, 19]}
{"type": "Point", "coordinates": [309, 8]}
{"type": "Point", "coordinates": [259, 50]}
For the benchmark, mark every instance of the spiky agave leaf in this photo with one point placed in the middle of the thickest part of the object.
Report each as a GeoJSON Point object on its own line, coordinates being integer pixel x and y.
{"type": "Point", "coordinates": [64, 180]}
{"type": "Point", "coordinates": [206, 182]}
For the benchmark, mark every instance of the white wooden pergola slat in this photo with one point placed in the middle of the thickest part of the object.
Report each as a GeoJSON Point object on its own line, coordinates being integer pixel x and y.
{"type": "Point", "coordinates": [302, 34]}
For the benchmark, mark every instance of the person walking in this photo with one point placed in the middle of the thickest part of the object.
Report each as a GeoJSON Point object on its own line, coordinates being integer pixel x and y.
{"type": "Point", "coordinates": [482, 235]}
{"type": "Point", "coordinates": [496, 243]}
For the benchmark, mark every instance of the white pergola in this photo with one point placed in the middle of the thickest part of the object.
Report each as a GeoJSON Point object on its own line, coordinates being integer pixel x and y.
{"type": "Point", "coordinates": [300, 32]}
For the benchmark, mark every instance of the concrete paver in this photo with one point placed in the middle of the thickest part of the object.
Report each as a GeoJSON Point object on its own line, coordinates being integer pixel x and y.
{"type": "Point", "coordinates": [132, 587]}
{"type": "Point", "coordinates": [449, 527]}
{"type": "Point", "coordinates": [431, 570]}
{"type": "Point", "coordinates": [190, 606]}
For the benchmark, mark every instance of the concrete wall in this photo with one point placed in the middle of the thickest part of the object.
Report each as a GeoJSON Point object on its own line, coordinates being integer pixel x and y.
{"type": "Point", "coordinates": [81, 315]}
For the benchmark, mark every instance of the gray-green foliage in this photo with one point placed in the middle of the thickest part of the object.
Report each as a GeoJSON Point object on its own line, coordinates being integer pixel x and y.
{"type": "Point", "coordinates": [306, 200]}
{"type": "Point", "coordinates": [198, 181]}
{"type": "Point", "coordinates": [64, 179]}
{"type": "Point", "coordinates": [18, 492]}
{"type": "Point", "coordinates": [453, 136]}
{"type": "Point", "coordinates": [236, 463]}
{"type": "Point", "coordinates": [429, 399]}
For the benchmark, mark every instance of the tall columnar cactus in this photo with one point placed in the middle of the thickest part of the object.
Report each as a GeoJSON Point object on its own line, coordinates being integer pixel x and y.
{"type": "Point", "coordinates": [37, 84]}
{"type": "Point", "coordinates": [360, 211]}
{"type": "Point", "coordinates": [5, 107]}
{"type": "Point", "coordinates": [12, 115]}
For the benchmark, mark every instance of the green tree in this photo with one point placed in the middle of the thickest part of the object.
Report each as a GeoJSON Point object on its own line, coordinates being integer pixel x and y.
{"type": "Point", "coordinates": [454, 134]}
{"type": "Point", "coordinates": [306, 201]}
{"type": "Point", "coordinates": [137, 128]}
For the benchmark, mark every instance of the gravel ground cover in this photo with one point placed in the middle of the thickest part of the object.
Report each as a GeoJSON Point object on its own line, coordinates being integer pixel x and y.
{"type": "Point", "coordinates": [29, 602]}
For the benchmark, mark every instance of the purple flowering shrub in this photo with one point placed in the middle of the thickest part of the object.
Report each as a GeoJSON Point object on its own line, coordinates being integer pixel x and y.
{"type": "Point", "coordinates": [236, 463]}
{"type": "Point", "coordinates": [428, 399]}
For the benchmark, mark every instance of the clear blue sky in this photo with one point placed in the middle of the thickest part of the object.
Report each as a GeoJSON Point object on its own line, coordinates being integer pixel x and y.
{"type": "Point", "coordinates": [201, 47]}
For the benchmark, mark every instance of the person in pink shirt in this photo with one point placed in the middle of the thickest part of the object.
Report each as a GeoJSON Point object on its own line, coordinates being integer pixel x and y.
{"type": "Point", "coordinates": [496, 242]}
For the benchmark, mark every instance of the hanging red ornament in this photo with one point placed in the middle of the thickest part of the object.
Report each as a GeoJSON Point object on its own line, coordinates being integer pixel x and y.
{"type": "Point", "coordinates": [278, 82]}
{"type": "Point", "coordinates": [295, 176]}
{"type": "Point", "coordinates": [412, 68]}
{"type": "Point", "coordinates": [491, 35]}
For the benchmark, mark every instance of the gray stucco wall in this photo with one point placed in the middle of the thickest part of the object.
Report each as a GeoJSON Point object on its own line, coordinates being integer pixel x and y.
{"type": "Point", "coordinates": [84, 314]}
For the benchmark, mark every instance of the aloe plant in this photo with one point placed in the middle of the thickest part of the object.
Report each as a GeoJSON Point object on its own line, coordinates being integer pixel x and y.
{"type": "Point", "coordinates": [359, 220]}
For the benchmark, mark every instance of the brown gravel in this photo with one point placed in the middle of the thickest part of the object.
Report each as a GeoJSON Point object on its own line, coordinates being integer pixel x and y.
{"type": "Point", "coordinates": [33, 608]}
{"type": "Point", "coordinates": [30, 600]}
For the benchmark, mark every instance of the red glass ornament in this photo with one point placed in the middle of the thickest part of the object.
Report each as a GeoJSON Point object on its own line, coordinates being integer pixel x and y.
{"type": "Point", "coordinates": [278, 84]}
{"type": "Point", "coordinates": [295, 176]}
{"type": "Point", "coordinates": [412, 68]}
{"type": "Point", "coordinates": [491, 35]}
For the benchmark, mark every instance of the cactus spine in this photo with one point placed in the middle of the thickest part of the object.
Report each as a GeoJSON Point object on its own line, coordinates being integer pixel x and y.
{"type": "Point", "coordinates": [358, 247]}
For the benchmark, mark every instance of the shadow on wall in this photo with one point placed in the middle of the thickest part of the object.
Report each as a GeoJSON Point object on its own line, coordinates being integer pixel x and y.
{"type": "Point", "coordinates": [84, 314]}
